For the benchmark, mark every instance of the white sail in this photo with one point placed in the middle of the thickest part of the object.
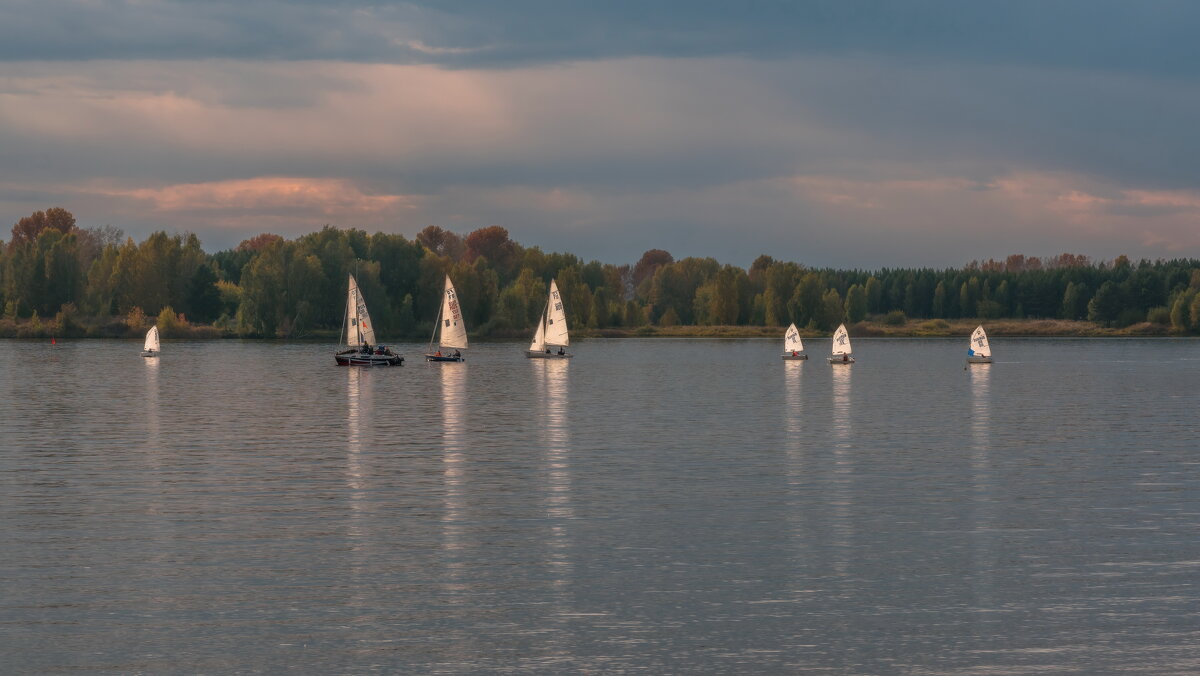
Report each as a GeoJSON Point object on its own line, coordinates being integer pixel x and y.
{"type": "Point", "coordinates": [454, 332]}
{"type": "Point", "coordinates": [791, 340]}
{"type": "Point", "coordinates": [556, 320]}
{"type": "Point", "coordinates": [979, 343]}
{"type": "Point", "coordinates": [359, 328]}
{"type": "Point", "coordinates": [151, 344]}
{"type": "Point", "coordinates": [539, 338]}
{"type": "Point", "coordinates": [841, 341]}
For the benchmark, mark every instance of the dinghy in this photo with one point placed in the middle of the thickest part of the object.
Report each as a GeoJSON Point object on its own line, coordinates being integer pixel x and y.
{"type": "Point", "coordinates": [979, 351]}
{"type": "Point", "coordinates": [150, 347]}
{"type": "Point", "coordinates": [793, 347]}
{"type": "Point", "coordinates": [359, 334]}
{"type": "Point", "coordinates": [453, 337]}
{"type": "Point", "coordinates": [841, 347]}
{"type": "Point", "coordinates": [551, 330]}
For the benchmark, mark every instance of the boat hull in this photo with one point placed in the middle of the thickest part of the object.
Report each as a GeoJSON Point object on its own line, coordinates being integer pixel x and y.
{"type": "Point", "coordinates": [839, 360]}
{"type": "Point", "coordinates": [360, 359]}
{"type": "Point", "coordinates": [434, 357]}
{"type": "Point", "coordinates": [979, 360]}
{"type": "Point", "coordinates": [795, 357]}
{"type": "Point", "coordinates": [533, 354]}
{"type": "Point", "coordinates": [149, 353]}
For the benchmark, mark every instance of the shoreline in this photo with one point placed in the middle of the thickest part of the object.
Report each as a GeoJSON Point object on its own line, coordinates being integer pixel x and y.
{"type": "Point", "coordinates": [924, 328]}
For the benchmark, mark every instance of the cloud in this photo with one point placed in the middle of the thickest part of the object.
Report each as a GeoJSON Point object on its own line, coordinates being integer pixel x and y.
{"type": "Point", "coordinates": [1142, 38]}
{"type": "Point", "coordinates": [326, 197]}
{"type": "Point", "coordinates": [851, 160]}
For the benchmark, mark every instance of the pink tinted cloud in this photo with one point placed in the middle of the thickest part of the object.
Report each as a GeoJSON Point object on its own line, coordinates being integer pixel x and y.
{"type": "Point", "coordinates": [302, 203]}
{"type": "Point", "coordinates": [1023, 204]}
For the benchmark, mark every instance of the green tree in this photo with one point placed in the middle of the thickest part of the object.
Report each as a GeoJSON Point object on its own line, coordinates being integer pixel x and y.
{"type": "Point", "coordinates": [204, 299]}
{"type": "Point", "coordinates": [856, 303]}
{"type": "Point", "coordinates": [1105, 307]}
{"type": "Point", "coordinates": [939, 300]}
{"type": "Point", "coordinates": [807, 299]}
{"type": "Point", "coordinates": [874, 295]}
{"type": "Point", "coordinates": [832, 312]}
{"type": "Point", "coordinates": [1181, 321]}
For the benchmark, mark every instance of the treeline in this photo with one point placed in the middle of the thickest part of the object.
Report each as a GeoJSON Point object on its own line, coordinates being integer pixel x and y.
{"type": "Point", "coordinates": [93, 280]}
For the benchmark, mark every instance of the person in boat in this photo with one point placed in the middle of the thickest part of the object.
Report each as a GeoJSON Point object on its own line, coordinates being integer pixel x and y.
{"type": "Point", "coordinates": [547, 350]}
{"type": "Point", "coordinates": [457, 354]}
{"type": "Point", "coordinates": [845, 357]}
{"type": "Point", "coordinates": [366, 348]}
{"type": "Point", "coordinates": [438, 353]}
{"type": "Point", "coordinates": [561, 352]}
{"type": "Point", "coordinates": [795, 353]}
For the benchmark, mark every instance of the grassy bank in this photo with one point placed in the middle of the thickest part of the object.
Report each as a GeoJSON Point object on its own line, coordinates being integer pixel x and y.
{"type": "Point", "coordinates": [925, 328]}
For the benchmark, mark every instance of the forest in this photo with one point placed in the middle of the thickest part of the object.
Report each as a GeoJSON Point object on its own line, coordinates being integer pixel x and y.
{"type": "Point", "coordinates": [58, 278]}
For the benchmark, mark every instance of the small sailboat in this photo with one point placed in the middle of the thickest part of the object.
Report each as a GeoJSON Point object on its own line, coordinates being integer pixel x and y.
{"type": "Point", "coordinates": [841, 347]}
{"type": "Point", "coordinates": [979, 351]}
{"type": "Point", "coordinates": [151, 347]}
{"type": "Point", "coordinates": [793, 347]}
{"type": "Point", "coordinates": [551, 330]}
{"type": "Point", "coordinates": [359, 334]}
{"type": "Point", "coordinates": [453, 334]}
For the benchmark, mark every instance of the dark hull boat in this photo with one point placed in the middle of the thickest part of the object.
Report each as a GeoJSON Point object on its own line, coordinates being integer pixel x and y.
{"type": "Point", "coordinates": [357, 358]}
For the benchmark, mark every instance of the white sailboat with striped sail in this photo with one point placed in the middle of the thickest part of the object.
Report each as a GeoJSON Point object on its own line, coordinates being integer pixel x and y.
{"type": "Point", "coordinates": [979, 350]}
{"type": "Point", "coordinates": [841, 347]}
{"type": "Point", "coordinates": [551, 330]}
{"type": "Point", "coordinates": [358, 332]}
{"type": "Point", "coordinates": [449, 328]}
{"type": "Point", "coordinates": [793, 347]}
{"type": "Point", "coordinates": [150, 348]}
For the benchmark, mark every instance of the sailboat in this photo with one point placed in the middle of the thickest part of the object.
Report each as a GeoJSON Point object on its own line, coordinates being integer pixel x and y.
{"type": "Point", "coordinates": [453, 331]}
{"type": "Point", "coordinates": [151, 348]}
{"type": "Point", "coordinates": [551, 330]}
{"type": "Point", "coordinates": [979, 351]}
{"type": "Point", "coordinates": [841, 347]}
{"type": "Point", "coordinates": [359, 334]}
{"type": "Point", "coordinates": [793, 347]}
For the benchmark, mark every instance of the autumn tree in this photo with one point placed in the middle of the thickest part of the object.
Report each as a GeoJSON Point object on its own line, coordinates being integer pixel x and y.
{"type": "Point", "coordinates": [442, 242]}
{"type": "Point", "coordinates": [28, 228]}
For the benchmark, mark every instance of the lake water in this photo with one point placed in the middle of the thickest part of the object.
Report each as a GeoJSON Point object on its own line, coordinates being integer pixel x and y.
{"type": "Point", "coordinates": [654, 506]}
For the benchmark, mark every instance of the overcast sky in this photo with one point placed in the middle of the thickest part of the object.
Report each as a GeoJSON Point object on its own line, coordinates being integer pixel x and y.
{"type": "Point", "coordinates": [845, 133]}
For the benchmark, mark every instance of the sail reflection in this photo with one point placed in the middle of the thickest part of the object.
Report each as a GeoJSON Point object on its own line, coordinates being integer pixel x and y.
{"type": "Point", "coordinates": [983, 549]}
{"type": "Point", "coordinates": [358, 535]}
{"type": "Point", "coordinates": [153, 438]}
{"type": "Point", "coordinates": [843, 470]}
{"type": "Point", "coordinates": [356, 400]}
{"type": "Point", "coordinates": [793, 413]}
{"type": "Point", "coordinates": [453, 461]}
{"type": "Point", "coordinates": [553, 390]}
{"type": "Point", "coordinates": [553, 398]}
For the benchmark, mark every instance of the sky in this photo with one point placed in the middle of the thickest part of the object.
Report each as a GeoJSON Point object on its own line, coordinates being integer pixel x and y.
{"type": "Point", "coordinates": [841, 133]}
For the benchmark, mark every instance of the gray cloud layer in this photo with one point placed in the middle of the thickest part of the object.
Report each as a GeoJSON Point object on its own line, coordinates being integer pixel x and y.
{"type": "Point", "coordinates": [917, 132]}
{"type": "Point", "coordinates": [1145, 37]}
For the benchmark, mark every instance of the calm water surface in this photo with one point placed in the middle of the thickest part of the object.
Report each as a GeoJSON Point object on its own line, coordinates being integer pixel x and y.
{"type": "Point", "coordinates": [659, 506]}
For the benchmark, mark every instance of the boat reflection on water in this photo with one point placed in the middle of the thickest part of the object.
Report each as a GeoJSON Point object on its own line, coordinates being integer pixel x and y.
{"type": "Point", "coordinates": [843, 471]}
{"type": "Point", "coordinates": [454, 439]}
{"type": "Point", "coordinates": [553, 398]}
{"type": "Point", "coordinates": [797, 477]}
{"type": "Point", "coordinates": [150, 405]}
{"type": "Point", "coordinates": [553, 391]}
{"type": "Point", "coordinates": [983, 549]}
{"type": "Point", "coordinates": [356, 401]}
